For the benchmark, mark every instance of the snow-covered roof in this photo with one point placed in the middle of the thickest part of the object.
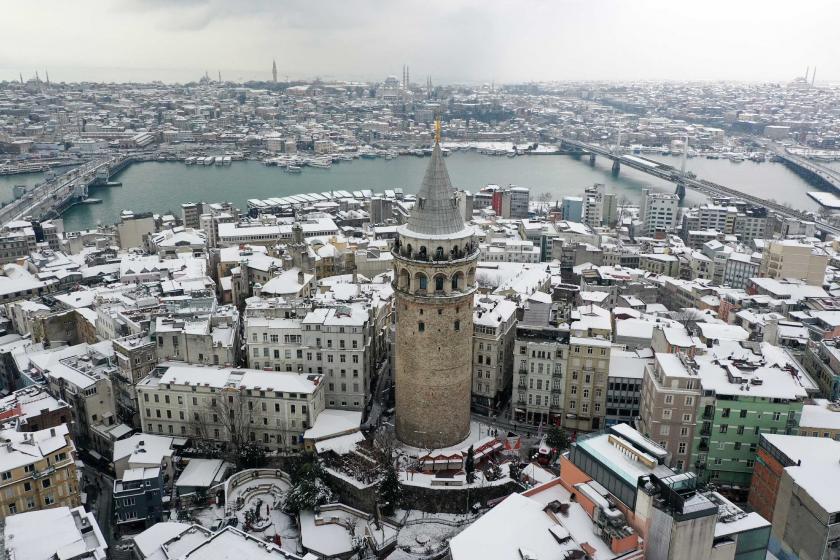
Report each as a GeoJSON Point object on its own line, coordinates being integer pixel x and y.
{"type": "Point", "coordinates": [58, 532]}
{"type": "Point", "coordinates": [819, 464]}
{"type": "Point", "coordinates": [333, 422]}
{"type": "Point", "coordinates": [178, 373]}
{"type": "Point", "coordinates": [821, 414]}
{"type": "Point", "coordinates": [202, 473]}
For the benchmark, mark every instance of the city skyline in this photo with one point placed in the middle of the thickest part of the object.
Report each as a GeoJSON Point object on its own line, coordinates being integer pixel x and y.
{"type": "Point", "coordinates": [455, 42]}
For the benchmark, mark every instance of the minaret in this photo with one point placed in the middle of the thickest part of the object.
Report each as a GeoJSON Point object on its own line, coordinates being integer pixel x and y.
{"type": "Point", "coordinates": [274, 71]}
{"type": "Point", "coordinates": [434, 279]}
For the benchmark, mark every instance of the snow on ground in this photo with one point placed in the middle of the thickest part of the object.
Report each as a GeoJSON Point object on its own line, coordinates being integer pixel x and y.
{"type": "Point", "coordinates": [270, 491]}
{"type": "Point", "coordinates": [426, 533]}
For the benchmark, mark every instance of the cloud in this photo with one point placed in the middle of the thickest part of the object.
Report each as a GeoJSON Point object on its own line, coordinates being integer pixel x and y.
{"type": "Point", "coordinates": [453, 40]}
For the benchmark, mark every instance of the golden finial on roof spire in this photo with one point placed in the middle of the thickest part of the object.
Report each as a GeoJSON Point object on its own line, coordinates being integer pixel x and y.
{"type": "Point", "coordinates": [437, 130]}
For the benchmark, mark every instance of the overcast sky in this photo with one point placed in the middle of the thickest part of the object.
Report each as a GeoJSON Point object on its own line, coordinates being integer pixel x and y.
{"type": "Point", "coordinates": [453, 40]}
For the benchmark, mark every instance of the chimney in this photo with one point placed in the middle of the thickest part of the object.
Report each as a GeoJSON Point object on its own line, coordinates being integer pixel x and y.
{"type": "Point", "coordinates": [52, 432]}
{"type": "Point", "coordinates": [300, 277]}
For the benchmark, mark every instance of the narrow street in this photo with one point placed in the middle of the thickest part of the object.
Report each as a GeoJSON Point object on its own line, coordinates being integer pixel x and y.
{"type": "Point", "coordinates": [99, 488]}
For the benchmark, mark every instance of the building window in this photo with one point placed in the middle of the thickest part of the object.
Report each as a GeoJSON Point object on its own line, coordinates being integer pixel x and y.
{"type": "Point", "coordinates": [421, 326]}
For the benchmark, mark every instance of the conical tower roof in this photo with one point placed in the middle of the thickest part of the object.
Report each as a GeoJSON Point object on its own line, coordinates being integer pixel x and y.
{"type": "Point", "coordinates": [436, 211]}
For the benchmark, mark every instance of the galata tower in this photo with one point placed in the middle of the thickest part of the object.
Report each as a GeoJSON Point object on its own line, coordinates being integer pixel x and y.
{"type": "Point", "coordinates": [434, 278]}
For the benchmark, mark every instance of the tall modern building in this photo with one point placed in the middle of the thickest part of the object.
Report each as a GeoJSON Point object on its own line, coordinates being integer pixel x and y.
{"type": "Point", "coordinates": [434, 278]}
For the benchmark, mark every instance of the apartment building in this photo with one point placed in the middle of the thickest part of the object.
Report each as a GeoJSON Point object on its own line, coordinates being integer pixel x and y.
{"type": "Point", "coordinates": [17, 239]}
{"type": "Point", "coordinates": [210, 338]}
{"type": "Point", "coordinates": [599, 208]}
{"type": "Point", "coordinates": [541, 349]}
{"type": "Point", "coordinates": [37, 470]}
{"type": "Point", "coordinates": [334, 341]}
{"type": "Point", "coordinates": [747, 391]}
{"type": "Point", "coordinates": [222, 404]}
{"type": "Point", "coordinates": [138, 497]}
{"type": "Point", "coordinates": [624, 387]}
{"type": "Point", "coordinates": [793, 488]}
{"type": "Point", "coordinates": [136, 356]}
{"type": "Point", "coordinates": [586, 383]}
{"type": "Point", "coordinates": [81, 376]}
{"type": "Point", "coordinates": [670, 393]}
{"type": "Point", "coordinates": [793, 259]}
{"type": "Point", "coordinates": [510, 250]}
{"type": "Point", "coordinates": [494, 334]}
{"type": "Point", "coordinates": [658, 212]}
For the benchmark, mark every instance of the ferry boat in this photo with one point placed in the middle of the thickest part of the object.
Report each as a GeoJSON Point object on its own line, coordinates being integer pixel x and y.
{"type": "Point", "coordinates": [319, 163]}
{"type": "Point", "coordinates": [736, 158]}
{"type": "Point", "coordinates": [293, 169]}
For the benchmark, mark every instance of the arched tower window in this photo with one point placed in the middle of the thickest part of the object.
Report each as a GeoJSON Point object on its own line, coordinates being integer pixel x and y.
{"type": "Point", "coordinates": [439, 254]}
{"type": "Point", "coordinates": [405, 280]}
{"type": "Point", "coordinates": [457, 280]}
{"type": "Point", "coordinates": [440, 280]}
{"type": "Point", "coordinates": [408, 249]}
{"type": "Point", "coordinates": [421, 282]}
{"type": "Point", "coordinates": [422, 254]}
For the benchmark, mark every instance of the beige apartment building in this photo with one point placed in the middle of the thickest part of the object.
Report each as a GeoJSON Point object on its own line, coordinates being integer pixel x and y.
{"type": "Point", "coordinates": [789, 258]}
{"type": "Point", "coordinates": [37, 471]}
{"type": "Point", "coordinates": [586, 383]}
{"type": "Point", "coordinates": [670, 396]}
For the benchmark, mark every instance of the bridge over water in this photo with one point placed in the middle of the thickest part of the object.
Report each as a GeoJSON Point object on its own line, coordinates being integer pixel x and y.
{"type": "Point", "coordinates": [683, 180]}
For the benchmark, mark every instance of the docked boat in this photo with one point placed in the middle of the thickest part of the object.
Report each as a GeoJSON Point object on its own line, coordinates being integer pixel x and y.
{"type": "Point", "coordinates": [91, 201]}
{"type": "Point", "coordinates": [226, 160]}
{"type": "Point", "coordinates": [293, 169]}
{"type": "Point", "coordinates": [736, 158]}
{"type": "Point", "coordinates": [190, 160]}
{"type": "Point", "coordinates": [320, 163]}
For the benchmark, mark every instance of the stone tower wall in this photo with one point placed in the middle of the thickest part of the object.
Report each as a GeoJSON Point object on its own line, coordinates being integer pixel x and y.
{"type": "Point", "coordinates": [433, 369]}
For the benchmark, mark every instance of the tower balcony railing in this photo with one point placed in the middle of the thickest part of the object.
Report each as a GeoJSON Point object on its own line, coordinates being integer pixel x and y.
{"type": "Point", "coordinates": [434, 256]}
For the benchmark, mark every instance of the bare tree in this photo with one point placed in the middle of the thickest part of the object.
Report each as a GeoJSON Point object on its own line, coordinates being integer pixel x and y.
{"type": "Point", "coordinates": [689, 317]}
{"type": "Point", "coordinates": [227, 419]}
